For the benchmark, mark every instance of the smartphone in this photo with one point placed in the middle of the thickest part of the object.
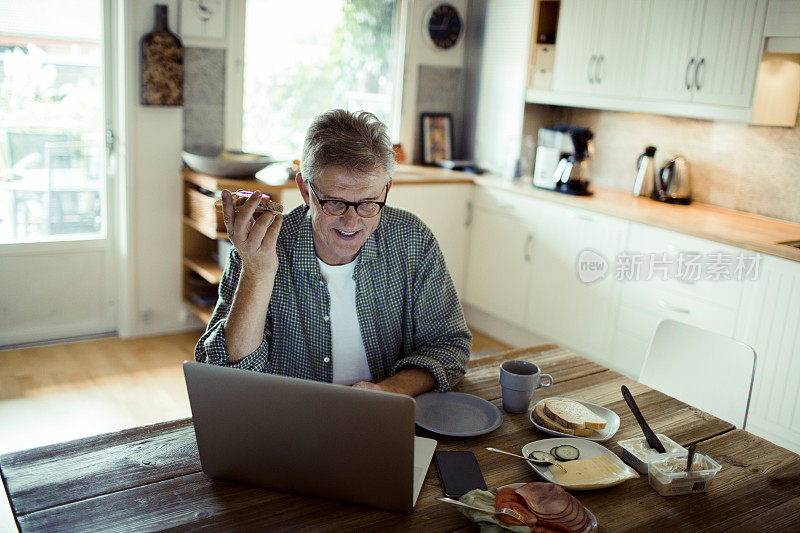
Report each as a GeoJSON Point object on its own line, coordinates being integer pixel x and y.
{"type": "Point", "coordinates": [458, 472]}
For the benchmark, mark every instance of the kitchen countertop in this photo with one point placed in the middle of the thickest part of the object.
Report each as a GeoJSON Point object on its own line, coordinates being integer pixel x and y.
{"type": "Point", "coordinates": [726, 226]}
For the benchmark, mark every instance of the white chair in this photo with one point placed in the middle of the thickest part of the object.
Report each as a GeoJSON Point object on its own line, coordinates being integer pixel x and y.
{"type": "Point", "coordinates": [701, 368]}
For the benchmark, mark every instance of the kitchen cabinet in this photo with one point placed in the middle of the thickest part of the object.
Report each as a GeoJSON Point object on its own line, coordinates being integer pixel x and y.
{"type": "Point", "coordinates": [446, 210]}
{"type": "Point", "coordinates": [523, 269]}
{"type": "Point", "coordinates": [498, 268]}
{"type": "Point", "coordinates": [673, 35]}
{"type": "Point", "coordinates": [576, 54]}
{"type": "Point", "coordinates": [661, 292]}
{"type": "Point", "coordinates": [564, 303]}
{"type": "Point", "coordinates": [696, 58]}
{"type": "Point", "coordinates": [707, 51]}
{"type": "Point", "coordinates": [769, 321]}
{"type": "Point", "coordinates": [600, 45]}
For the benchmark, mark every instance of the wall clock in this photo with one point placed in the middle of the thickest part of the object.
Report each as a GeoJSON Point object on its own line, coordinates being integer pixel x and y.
{"type": "Point", "coordinates": [443, 26]}
{"type": "Point", "coordinates": [203, 19]}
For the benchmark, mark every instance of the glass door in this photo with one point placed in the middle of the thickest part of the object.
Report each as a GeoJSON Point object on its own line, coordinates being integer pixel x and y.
{"type": "Point", "coordinates": [56, 253]}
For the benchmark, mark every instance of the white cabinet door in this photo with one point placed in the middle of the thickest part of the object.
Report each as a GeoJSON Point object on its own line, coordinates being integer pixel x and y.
{"type": "Point", "coordinates": [575, 63]}
{"type": "Point", "coordinates": [673, 34]}
{"type": "Point", "coordinates": [572, 311]}
{"type": "Point", "coordinates": [769, 321]}
{"type": "Point", "coordinates": [620, 47]}
{"type": "Point", "coordinates": [498, 268]}
{"type": "Point", "coordinates": [445, 210]}
{"type": "Point", "coordinates": [730, 51]}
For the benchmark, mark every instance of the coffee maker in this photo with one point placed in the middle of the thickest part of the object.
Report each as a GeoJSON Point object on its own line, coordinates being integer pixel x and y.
{"type": "Point", "coordinates": [562, 155]}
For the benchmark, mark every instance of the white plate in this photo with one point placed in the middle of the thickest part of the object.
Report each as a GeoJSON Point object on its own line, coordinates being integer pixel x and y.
{"type": "Point", "coordinates": [592, 518]}
{"type": "Point", "coordinates": [599, 435]}
{"type": "Point", "coordinates": [588, 450]}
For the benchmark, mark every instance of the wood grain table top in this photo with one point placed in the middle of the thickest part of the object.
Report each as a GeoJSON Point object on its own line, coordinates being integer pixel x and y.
{"type": "Point", "coordinates": [150, 478]}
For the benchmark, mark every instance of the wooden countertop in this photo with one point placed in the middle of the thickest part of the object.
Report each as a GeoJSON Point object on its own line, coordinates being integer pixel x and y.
{"type": "Point", "coordinates": [151, 476]}
{"type": "Point", "coordinates": [726, 226]}
{"type": "Point", "coordinates": [734, 228]}
{"type": "Point", "coordinates": [404, 175]}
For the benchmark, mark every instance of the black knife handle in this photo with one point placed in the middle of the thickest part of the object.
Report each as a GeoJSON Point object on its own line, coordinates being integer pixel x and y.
{"type": "Point", "coordinates": [652, 440]}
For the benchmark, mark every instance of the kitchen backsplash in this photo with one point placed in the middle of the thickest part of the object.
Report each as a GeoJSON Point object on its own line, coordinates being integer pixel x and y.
{"type": "Point", "coordinates": [440, 90]}
{"type": "Point", "coordinates": [204, 98]}
{"type": "Point", "coordinates": [737, 166]}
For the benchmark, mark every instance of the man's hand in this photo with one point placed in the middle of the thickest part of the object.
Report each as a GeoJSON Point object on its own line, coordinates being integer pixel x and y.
{"type": "Point", "coordinates": [255, 240]}
{"type": "Point", "coordinates": [411, 381]}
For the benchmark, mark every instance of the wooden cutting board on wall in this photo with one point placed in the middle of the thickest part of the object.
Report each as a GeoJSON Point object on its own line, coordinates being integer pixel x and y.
{"type": "Point", "coordinates": [161, 64]}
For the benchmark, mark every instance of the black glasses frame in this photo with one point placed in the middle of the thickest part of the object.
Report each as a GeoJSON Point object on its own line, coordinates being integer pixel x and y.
{"type": "Point", "coordinates": [348, 205]}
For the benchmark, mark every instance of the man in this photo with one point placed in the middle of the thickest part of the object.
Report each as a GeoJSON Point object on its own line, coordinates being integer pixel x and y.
{"type": "Point", "coordinates": [342, 289]}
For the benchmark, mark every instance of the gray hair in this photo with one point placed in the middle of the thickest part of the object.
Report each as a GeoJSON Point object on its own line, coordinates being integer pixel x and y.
{"type": "Point", "coordinates": [357, 141]}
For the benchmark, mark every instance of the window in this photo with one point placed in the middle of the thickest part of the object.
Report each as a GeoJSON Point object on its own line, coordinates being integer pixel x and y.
{"type": "Point", "coordinates": [52, 149]}
{"type": "Point", "coordinates": [308, 56]}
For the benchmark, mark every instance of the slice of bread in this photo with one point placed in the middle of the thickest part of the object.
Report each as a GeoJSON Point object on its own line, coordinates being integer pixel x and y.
{"type": "Point", "coordinates": [545, 421]}
{"type": "Point", "coordinates": [573, 415]}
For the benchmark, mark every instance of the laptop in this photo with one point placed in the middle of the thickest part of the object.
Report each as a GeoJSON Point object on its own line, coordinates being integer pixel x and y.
{"type": "Point", "coordinates": [317, 439]}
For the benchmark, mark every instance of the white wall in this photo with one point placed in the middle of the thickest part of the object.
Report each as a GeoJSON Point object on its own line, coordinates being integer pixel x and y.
{"type": "Point", "coordinates": [419, 52]}
{"type": "Point", "coordinates": [150, 268]}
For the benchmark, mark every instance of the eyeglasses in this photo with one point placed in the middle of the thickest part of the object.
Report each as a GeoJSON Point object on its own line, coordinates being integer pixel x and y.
{"type": "Point", "coordinates": [337, 208]}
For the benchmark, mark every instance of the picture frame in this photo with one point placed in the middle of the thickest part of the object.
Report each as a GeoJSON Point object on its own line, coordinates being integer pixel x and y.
{"type": "Point", "coordinates": [437, 137]}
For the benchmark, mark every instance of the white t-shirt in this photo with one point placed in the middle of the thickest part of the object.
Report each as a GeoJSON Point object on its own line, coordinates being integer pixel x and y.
{"type": "Point", "coordinates": [348, 353]}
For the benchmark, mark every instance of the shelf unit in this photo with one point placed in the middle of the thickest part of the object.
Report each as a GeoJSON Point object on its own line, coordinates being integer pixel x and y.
{"type": "Point", "coordinates": [203, 227]}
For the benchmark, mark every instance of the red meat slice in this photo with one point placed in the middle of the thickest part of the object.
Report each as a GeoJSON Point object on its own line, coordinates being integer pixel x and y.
{"type": "Point", "coordinates": [507, 498]}
{"type": "Point", "coordinates": [552, 504]}
{"type": "Point", "coordinates": [545, 499]}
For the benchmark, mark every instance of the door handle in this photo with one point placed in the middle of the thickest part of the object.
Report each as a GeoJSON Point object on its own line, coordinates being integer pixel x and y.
{"type": "Point", "coordinates": [470, 209]}
{"type": "Point", "coordinates": [670, 307]}
{"type": "Point", "coordinates": [686, 75]}
{"type": "Point", "coordinates": [589, 68]}
{"type": "Point", "coordinates": [600, 60]}
{"type": "Point", "coordinates": [527, 251]}
{"type": "Point", "coordinates": [700, 64]}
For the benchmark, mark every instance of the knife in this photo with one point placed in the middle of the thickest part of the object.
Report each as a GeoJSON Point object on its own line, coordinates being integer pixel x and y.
{"type": "Point", "coordinates": [652, 440]}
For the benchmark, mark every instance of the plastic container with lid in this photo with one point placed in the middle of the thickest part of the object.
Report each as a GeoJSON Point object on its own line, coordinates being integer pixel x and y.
{"type": "Point", "coordinates": [637, 453]}
{"type": "Point", "coordinates": [667, 474]}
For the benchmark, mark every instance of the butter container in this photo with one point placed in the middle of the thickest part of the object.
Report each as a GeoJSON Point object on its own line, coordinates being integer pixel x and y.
{"type": "Point", "coordinates": [668, 476]}
{"type": "Point", "coordinates": [637, 453]}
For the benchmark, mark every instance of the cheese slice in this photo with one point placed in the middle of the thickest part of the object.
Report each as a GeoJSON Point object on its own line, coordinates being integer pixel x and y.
{"type": "Point", "coordinates": [593, 472]}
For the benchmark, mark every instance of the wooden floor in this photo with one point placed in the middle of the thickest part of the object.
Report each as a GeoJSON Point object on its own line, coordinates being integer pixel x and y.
{"type": "Point", "coordinates": [66, 391]}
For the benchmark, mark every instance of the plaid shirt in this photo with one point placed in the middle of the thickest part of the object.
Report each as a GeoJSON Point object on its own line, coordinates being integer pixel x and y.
{"type": "Point", "coordinates": [407, 307]}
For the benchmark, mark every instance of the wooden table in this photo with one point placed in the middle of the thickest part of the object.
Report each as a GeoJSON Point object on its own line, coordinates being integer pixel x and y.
{"type": "Point", "coordinates": [150, 478]}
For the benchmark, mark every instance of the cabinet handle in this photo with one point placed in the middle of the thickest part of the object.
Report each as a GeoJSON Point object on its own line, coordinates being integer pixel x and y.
{"type": "Point", "coordinates": [600, 60]}
{"type": "Point", "coordinates": [686, 75]}
{"type": "Point", "coordinates": [589, 69]}
{"type": "Point", "coordinates": [587, 218]}
{"type": "Point", "coordinates": [670, 307]}
{"type": "Point", "coordinates": [470, 209]}
{"type": "Point", "coordinates": [700, 64]}
{"type": "Point", "coordinates": [527, 250]}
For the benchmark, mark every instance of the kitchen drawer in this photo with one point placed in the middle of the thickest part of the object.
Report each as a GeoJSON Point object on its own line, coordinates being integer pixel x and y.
{"type": "Point", "coordinates": [507, 203]}
{"type": "Point", "coordinates": [542, 79]}
{"type": "Point", "coordinates": [641, 313]}
{"type": "Point", "coordinates": [545, 56]}
{"type": "Point", "coordinates": [648, 240]}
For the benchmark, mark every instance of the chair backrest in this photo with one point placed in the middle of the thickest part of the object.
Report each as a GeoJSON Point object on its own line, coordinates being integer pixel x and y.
{"type": "Point", "coordinates": [701, 368]}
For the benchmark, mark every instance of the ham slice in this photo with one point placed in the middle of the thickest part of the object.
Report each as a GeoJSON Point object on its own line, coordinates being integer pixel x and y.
{"type": "Point", "coordinates": [552, 504]}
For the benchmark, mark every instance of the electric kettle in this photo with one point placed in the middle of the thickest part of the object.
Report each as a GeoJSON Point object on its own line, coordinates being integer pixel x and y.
{"type": "Point", "coordinates": [673, 183]}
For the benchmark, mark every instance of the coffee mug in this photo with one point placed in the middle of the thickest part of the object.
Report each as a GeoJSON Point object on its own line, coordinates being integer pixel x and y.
{"type": "Point", "coordinates": [518, 380]}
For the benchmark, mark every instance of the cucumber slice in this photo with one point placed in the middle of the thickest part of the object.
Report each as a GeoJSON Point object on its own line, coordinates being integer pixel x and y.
{"type": "Point", "coordinates": [566, 452]}
{"type": "Point", "coordinates": [542, 456]}
{"type": "Point", "coordinates": [553, 452]}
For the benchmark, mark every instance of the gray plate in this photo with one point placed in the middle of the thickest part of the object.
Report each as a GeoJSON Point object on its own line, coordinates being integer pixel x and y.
{"type": "Point", "coordinates": [456, 414]}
